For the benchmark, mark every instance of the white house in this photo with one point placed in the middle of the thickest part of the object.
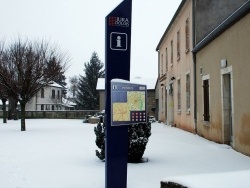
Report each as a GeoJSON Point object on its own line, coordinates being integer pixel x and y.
{"type": "Point", "coordinates": [48, 98]}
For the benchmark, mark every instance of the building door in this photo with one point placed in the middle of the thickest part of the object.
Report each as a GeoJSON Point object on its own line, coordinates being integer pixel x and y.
{"type": "Point", "coordinates": [170, 106]}
{"type": "Point", "coordinates": [227, 108]}
{"type": "Point", "coordinates": [157, 109]}
{"type": "Point", "coordinates": [166, 104]}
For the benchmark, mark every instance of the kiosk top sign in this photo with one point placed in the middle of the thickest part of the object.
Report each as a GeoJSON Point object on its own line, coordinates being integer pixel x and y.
{"type": "Point", "coordinates": [128, 102]}
{"type": "Point", "coordinates": [118, 21]}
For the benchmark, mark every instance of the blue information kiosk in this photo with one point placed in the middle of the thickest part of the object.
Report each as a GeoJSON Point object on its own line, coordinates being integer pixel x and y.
{"type": "Point", "coordinates": [117, 65]}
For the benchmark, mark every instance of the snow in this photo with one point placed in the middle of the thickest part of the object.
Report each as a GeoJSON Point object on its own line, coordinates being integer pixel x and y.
{"type": "Point", "coordinates": [54, 84]}
{"type": "Point", "coordinates": [1, 103]}
{"type": "Point", "coordinates": [68, 103]}
{"type": "Point", "coordinates": [219, 180]}
{"type": "Point", "coordinates": [120, 80]}
{"type": "Point", "coordinates": [61, 153]}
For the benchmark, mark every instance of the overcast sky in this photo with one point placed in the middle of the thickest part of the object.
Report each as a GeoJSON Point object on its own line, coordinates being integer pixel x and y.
{"type": "Point", "coordinates": [78, 27]}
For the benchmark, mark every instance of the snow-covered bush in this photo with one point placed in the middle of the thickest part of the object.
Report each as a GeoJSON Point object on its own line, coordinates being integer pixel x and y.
{"type": "Point", "coordinates": [138, 138]}
{"type": "Point", "coordinates": [100, 140]}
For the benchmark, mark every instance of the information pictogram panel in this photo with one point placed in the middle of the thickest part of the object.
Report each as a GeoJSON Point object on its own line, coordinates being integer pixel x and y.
{"type": "Point", "coordinates": [118, 41]}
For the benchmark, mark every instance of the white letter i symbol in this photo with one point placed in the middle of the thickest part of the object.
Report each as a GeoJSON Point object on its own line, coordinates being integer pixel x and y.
{"type": "Point", "coordinates": [118, 41]}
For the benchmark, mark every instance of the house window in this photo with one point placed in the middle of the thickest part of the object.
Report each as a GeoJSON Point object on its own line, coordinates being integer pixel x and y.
{"type": "Point", "coordinates": [178, 45]}
{"type": "Point", "coordinates": [42, 107]}
{"type": "Point", "coordinates": [53, 107]}
{"type": "Point", "coordinates": [172, 58]}
{"type": "Point", "coordinates": [206, 100]}
{"type": "Point", "coordinates": [179, 94]}
{"type": "Point", "coordinates": [53, 94]}
{"type": "Point", "coordinates": [188, 92]}
{"type": "Point", "coordinates": [166, 59]}
{"type": "Point", "coordinates": [58, 94]}
{"type": "Point", "coordinates": [187, 35]}
{"type": "Point", "coordinates": [42, 93]}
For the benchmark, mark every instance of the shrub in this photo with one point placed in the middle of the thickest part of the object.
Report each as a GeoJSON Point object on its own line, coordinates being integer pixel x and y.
{"type": "Point", "coordinates": [138, 138]}
{"type": "Point", "coordinates": [100, 140]}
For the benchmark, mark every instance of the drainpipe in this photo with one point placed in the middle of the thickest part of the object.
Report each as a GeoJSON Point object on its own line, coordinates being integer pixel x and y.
{"type": "Point", "coordinates": [158, 84]}
{"type": "Point", "coordinates": [195, 95]}
{"type": "Point", "coordinates": [36, 101]}
{"type": "Point", "coordinates": [194, 64]}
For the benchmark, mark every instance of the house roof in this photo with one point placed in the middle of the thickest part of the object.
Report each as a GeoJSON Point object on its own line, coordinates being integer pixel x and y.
{"type": "Point", "coordinates": [149, 82]}
{"type": "Point", "coordinates": [67, 102]}
{"type": "Point", "coordinates": [1, 103]}
{"type": "Point", "coordinates": [7, 103]}
{"type": "Point", "coordinates": [54, 84]}
{"type": "Point", "coordinates": [233, 18]}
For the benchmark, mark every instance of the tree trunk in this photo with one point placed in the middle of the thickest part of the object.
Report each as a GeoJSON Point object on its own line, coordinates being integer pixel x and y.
{"type": "Point", "coordinates": [12, 109]}
{"type": "Point", "coordinates": [4, 111]}
{"type": "Point", "coordinates": [23, 128]}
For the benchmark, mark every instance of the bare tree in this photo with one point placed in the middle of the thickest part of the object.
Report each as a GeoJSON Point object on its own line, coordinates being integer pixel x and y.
{"type": "Point", "coordinates": [3, 91]}
{"type": "Point", "coordinates": [73, 85]}
{"type": "Point", "coordinates": [23, 70]}
{"type": "Point", "coordinates": [4, 98]}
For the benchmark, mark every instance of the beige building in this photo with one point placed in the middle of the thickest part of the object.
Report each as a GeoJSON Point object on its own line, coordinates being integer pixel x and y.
{"type": "Point", "coordinates": [223, 85]}
{"type": "Point", "coordinates": [175, 65]}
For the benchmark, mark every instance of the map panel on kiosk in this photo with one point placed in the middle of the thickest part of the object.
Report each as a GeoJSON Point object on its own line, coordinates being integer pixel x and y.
{"type": "Point", "coordinates": [128, 102]}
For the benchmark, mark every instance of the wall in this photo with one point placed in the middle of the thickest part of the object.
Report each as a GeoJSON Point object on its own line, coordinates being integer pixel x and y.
{"type": "Point", "coordinates": [102, 100]}
{"type": "Point", "coordinates": [210, 13]}
{"type": "Point", "coordinates": [233, 45]}
{"type": "Point", "coordinates": [76, 114]}
{"type": "Point", "coordinates": [168, 109]}
{"type": "Point", "coordinates": [151, 102]}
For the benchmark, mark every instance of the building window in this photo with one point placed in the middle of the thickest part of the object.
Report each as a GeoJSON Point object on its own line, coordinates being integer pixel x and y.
{"type": "Point", "coordinates": [179, 94]}
{"type": "Point", "coordinates": [171, 89]}
{"type": "Point", "coordinates": [53, 94]}
{"type": "Point", "coordinates": [178, 45]}
{"type": "Point", "coordinates": [188, 92]}
{"type": "Point", "coordinates": [172, 54]}
{"type": "Point", "coordinates": [42, 92]}
{"type": "Point", "coordinates": [187, 35]}
{"type": "Point", "coordinates": [58, 94]}
{"type": "Point", "coordinates": [161, 64]}
{"type": "Point", "coordinates": [42, 107]}
{"type": "Point", "coordinates": [53, 107]}
{"type": "Point", "coordinates": [162, 99]}
{"type": "Point", "coordinates": [166, 59]}
{"type": "Point", "coordinates": [206, 100]}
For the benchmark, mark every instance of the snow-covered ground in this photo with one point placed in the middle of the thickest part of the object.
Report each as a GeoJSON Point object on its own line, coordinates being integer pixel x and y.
{"type": "Point", "coordinates": [61, 154]}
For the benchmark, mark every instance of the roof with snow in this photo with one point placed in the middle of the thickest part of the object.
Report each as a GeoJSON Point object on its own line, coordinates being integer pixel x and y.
{"type": "Point", "coordinates": [1, 103]}
{"type": "Point", "coordinates": [68, 103]}
{"type": "Point", "coordinates": [54, 84]}
{"type": "Point", "coordinates": [149, 82]}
